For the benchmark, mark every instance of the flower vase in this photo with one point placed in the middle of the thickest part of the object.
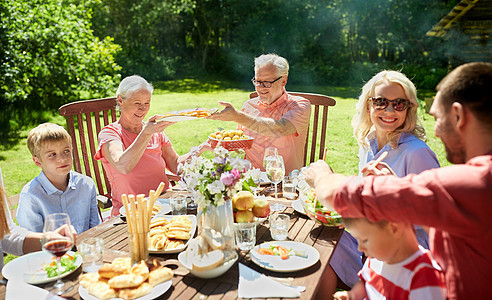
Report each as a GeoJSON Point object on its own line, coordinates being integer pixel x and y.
{"type": "Point", "coordinates": [217, 224]}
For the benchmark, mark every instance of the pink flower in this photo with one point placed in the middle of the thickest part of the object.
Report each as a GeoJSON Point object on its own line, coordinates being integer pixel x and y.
{"type": "Point", "coordinates": [236, 173]}
{"type": "Point", "coordinates": [227, 178]}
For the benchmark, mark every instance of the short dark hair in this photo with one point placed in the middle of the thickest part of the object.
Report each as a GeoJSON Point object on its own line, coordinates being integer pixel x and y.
{"type": "Point", "coordinates": [469, 84]}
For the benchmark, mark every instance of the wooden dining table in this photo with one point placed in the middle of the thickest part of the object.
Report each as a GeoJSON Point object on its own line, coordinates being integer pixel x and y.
{"type": "Point", "coordinates": [187, 286]}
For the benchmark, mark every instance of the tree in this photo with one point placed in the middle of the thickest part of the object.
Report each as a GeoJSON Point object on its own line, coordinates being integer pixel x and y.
{"type": "Point", "coordinates": [50, 57]}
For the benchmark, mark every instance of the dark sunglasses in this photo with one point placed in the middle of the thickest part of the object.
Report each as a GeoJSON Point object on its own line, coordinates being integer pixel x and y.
{"type": "Point", "coordinates": [398, 104]}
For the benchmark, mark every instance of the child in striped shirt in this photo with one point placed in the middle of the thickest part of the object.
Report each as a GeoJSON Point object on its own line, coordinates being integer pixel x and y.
{"type": "Point", "coordinates": [397, 267]}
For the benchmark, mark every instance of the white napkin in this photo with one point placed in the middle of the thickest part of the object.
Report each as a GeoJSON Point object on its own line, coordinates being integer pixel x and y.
{"type": "Point", "coordinates": [17, 289]}
{"type": "Point", "coordinates": [256, 285]}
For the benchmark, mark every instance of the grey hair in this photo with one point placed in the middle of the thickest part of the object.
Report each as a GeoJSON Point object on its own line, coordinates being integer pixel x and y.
{"type": "Point", "coordinates": [278, 61]}
{"type": "Point", "coordinates": [132, 84]}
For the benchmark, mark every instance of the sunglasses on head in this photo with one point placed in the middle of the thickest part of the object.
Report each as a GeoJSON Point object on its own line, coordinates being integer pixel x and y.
{"type": "Point", "coordinates": [381, 103]}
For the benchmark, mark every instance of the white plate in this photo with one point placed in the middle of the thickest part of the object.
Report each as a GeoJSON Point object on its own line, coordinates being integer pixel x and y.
{"type": "Point", "coordinates": [176, 117]}
{"type": "Point", "coordinates": [156, 292]}
{"type": "Point", "coordinates": [165, 208]}
{"type": "Point", "coordinates": [297, 206]}
{"type": "Point", "coordinates": [210, 273]}
{"type": "Point", "coordinates": [293, 263]}
{"type": "Point", "coordinates": [29, 267]}
{"type": "Point", "coordinates": [176, 250]}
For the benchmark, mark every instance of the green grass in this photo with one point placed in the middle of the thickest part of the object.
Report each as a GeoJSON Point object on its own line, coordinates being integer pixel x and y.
{"type": "Point", "coordinates": [18, 168]}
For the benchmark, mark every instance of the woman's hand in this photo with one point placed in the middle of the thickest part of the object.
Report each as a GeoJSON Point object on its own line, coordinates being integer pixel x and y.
{"type": "Point", "coordinates": [379, 169]}
{"type": "Point", "coordinates": [152, 126]}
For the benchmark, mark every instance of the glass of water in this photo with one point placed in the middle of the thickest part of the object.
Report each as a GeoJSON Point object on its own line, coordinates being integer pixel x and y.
{"type": "Point", "coordinates": [92, 251]}
{"type": "Point", "coordinates": [288, 188]}
{"type": "Point", "coordinates": [178, 204]}
{"type": "Point", "coordinates": [279, 226]}
{"type": "Point", "coordinates": [245, 235]}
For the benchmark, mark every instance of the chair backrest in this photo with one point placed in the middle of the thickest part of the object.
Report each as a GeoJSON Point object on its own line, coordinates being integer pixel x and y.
{"type": "Point", "coordinates": [317, 132]}
{"type": "Point", "coordinates": [81, 117]}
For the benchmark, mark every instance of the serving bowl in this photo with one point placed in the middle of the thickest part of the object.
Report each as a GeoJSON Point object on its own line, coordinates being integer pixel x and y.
{"type": "Point", "coordinates": [321, 214]}
{"type": "Point", "coordinates": [213, 273]}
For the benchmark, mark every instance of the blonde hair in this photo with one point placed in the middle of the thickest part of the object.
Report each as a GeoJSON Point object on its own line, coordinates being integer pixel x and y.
{"type": "Point", "coordinates": [46, 133]}
{"type": "Point", "coordinates": [361, 122]}
{"type": "Point", "coordinates": [4, 226]}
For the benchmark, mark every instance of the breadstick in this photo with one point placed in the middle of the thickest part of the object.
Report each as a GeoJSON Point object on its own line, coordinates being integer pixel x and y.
{"type": "Point", "coordinates": [324, 154]}
{"type": "Point", "coordinates": [151, 206]}
{"type": "Point", "coordinates": [377, 161]}
{"type": "Point", "coordinates": [125, 203]}
{"type": "Point", "coordinates": [153, 199]}
{"type": "Point", "coordinates": [141, 225]}
{"type": "Point", "coordinates": [133, 219]}
{"type": "Point", "coordinates": [383, 156]}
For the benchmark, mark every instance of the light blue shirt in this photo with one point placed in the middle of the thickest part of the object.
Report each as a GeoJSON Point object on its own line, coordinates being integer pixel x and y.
{"type": "Point", "coordinates": [40, 198]}
{"type": "Point", "coordinates": [412, 156]}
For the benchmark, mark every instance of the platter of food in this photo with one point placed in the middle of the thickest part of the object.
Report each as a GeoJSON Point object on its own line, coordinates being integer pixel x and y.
{"type": "Point", "coordinates": [121, 280]}
{"type": "Point", "coordinates": [171, 234]}
{"type": "Point", "coordinates": [284, 256]}
{"type": "Point", "coordinates": [231, 140]}
{"type": "Point", "coordinates": [40, 267]}
{"type": "Point", "coordinates": [186, 114]}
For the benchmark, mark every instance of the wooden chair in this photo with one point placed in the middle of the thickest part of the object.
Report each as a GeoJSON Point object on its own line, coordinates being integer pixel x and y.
{"type": "Point", "coordinates": [85, 119]}
{"type": "Point", "coordinates": [317, 132]}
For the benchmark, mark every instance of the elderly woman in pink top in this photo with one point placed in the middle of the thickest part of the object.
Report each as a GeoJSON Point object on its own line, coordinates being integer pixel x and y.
{"type": "Point", "coordinates": [134, 153]}
{"type": "Point", "coordinates": [274, 118]}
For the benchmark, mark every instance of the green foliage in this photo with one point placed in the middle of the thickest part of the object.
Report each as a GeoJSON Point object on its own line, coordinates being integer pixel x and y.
{"type": "Point", "coordinates": [339, 42]}
{"type": "Point", "coordinates": [50, 57]}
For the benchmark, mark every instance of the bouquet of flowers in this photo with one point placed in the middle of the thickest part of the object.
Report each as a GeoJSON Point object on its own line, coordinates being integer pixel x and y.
{"type": "Point", "coordinates": [212, 181]}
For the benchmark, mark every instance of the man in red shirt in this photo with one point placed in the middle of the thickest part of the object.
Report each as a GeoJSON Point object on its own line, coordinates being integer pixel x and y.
{"type": "Point", "coordinates": [455, 201]}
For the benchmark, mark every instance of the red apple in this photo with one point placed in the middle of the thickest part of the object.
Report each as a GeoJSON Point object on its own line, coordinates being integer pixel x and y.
{"type": "Point", "coordinates": [243, 200]}
{"type": "Point", "coordinates": [261, 208]}
{"type": "Point", "coordinates": [244, 216]}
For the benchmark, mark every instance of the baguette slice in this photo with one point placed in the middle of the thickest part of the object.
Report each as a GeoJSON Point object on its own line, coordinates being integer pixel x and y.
{"type": "Point", "coordinates": [208, 261]}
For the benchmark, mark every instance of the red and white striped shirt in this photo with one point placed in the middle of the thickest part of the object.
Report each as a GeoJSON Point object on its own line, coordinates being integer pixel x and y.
{"type": "Point", "coordinates": [417, 277]}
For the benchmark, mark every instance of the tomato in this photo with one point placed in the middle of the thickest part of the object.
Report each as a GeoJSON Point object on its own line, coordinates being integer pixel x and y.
{"type": "Point", "coordinates": [265, 251]}
{"type": "Point", "coordinates": [284, 252]}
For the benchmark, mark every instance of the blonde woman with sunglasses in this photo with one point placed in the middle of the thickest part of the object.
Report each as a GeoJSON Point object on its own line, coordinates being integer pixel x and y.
{"type": "Point", "coordinates": [386, 120]}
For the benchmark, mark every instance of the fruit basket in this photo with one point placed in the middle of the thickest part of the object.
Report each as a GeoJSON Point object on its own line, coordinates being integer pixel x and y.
{"type": "Point", "coordinates": [318, 212]}
{"type": "Point", "coordinates": [232, 145]}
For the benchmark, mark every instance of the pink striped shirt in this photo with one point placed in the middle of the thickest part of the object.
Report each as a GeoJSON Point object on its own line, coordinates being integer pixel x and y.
{"type": "Point", "coordinates": [295, 109]}
{"type": "Point", "coordinates": [417, 277]}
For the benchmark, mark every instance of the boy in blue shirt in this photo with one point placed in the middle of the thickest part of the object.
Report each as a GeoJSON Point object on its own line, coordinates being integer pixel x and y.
{"type": "Point", "coordinates": [57, 189]}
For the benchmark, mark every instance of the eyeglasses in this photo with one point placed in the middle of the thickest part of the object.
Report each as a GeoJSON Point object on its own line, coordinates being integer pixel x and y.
{"type": "Point", "coordinates": [265, 84]}
{"type": "Point", "coordinates": [398, 104]}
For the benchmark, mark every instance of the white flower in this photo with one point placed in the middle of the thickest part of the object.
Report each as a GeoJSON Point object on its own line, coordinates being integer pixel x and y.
{"type": "Point", "coordinates": [216, 187]}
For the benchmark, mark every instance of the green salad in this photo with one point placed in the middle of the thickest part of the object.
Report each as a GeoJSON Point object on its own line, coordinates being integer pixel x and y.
{"type": "Point", "coordinates": [67, 264]}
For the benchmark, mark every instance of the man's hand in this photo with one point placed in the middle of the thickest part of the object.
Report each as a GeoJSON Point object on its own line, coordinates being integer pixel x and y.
{"type": "Point", "coordinates": [321, 177]}
{"type": "Point", "coordinates": [65, 231]}
{"type": "Point", "coordinates": [229, 113]}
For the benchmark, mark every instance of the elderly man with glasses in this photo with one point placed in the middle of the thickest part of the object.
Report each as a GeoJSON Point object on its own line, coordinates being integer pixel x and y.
{"type": "Point", "coordinates": [274, 118]}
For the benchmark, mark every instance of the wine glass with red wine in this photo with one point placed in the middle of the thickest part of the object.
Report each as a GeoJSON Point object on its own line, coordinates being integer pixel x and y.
{"type": "Point", "coordinates": [57, 240]}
